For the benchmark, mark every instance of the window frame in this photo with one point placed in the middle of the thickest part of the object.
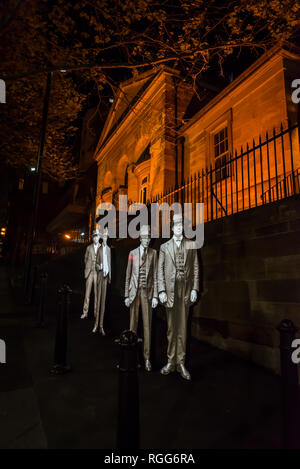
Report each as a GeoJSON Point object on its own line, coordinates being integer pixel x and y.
{"type": "Point", "coordinates": [225, 120]}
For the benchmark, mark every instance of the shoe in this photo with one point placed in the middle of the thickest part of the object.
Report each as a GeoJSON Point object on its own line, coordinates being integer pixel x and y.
{"type": "Point", "coordinates": [184, 372]}
{"type": "Point", "coordinates": [101, 330]}
{"type": "Point", "coordinates": [168, 368]}
{"type": "Point", "coordinates": [148, 365]}
{"type": "Point", "coordinates": [95, 329]}
{"type": "Point", "coordinates": [83, 316]}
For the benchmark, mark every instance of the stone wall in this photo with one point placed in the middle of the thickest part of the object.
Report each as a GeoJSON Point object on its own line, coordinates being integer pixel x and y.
{"type": "Point", "coordinates": [251, 281]}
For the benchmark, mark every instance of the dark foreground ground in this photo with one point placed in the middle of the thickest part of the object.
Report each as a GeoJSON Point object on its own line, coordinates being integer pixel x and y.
{"type": "Point", "coordinates": [229, 403]}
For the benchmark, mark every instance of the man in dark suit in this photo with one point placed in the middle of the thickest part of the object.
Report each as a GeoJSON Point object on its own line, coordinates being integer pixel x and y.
{"type": "Point", "coordinates": [178, 284]}
{"type": "Point", "coordinates": [90, 273]}
{"type": "Point", "coordinates": [141, 288]}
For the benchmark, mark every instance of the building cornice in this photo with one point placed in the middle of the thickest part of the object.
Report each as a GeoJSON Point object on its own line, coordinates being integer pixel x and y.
{"type": "Point", "coordinates": [148, 96]}
{"type": "Point", "coordinates": [267, 56]}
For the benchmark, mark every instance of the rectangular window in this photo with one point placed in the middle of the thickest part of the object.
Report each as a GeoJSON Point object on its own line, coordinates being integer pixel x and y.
{"type": "Point", "coordinates": [221, 154]}
{"type": "Point", "coordinates": [144, 195]}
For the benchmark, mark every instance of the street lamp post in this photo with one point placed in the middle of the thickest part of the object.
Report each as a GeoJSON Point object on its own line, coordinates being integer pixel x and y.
{"type": "Point", "coordinates": [36, 192]}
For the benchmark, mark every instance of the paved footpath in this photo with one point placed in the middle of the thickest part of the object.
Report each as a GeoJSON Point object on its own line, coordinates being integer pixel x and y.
{"type": "Point", "coordinates": [20, 420]}
{"type": "Point", "coordinates": [229, 403]}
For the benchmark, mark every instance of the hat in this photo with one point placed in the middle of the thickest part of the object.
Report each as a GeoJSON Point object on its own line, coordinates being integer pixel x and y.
{"type": "Point", "coordinates": [145, 230]}
{"type": "Point", "coordinates": [177, 218]}
{"type": "Point", "coordinates": [95, 232]}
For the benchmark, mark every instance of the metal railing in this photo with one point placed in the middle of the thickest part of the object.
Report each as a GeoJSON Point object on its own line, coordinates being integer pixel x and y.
{"type": "Point", "coordinates": [262, 173]}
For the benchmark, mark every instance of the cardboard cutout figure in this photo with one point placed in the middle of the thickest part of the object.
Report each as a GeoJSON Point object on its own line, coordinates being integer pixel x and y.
{"type": "Point", "coordinates": [90, 273]}
{"type": "Point", "coordinates": [103, 266]}
{"type": "Point", "coordinates": [141, 288]}
{"type": "Point", "coordinates": [178, 284]}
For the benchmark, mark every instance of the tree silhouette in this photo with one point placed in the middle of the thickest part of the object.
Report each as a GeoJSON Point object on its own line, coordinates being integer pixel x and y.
{"type": "Point", "coordinates": [99, 42]}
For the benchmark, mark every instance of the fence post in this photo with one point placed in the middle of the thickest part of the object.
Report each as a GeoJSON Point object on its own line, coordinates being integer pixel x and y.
{"type": "Point", "coordinates": [289, 387]}
{"type": "Point", "coordinates": [128, 401]}
{"type": "Point", "coordinates": [60, 350]}
{"type": "Point", "coordinates": [43, 299]}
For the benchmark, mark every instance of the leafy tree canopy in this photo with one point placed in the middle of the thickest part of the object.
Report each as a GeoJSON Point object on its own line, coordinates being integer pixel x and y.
{"type": "Point", "coordinates": [99, 42]}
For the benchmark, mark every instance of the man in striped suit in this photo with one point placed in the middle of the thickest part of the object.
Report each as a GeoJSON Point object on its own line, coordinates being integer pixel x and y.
{"type": "Point", "coordinates": [141, 288]}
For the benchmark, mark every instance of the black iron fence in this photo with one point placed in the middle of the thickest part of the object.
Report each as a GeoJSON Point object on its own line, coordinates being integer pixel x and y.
{"type": "Point", "coordinates": [266, 171]}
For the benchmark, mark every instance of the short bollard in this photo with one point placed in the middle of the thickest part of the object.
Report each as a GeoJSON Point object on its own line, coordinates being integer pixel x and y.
{"type": "Point", "coordinates": [30, 287]}
{"type": "Point", "coordinates": [289, 387]}
{"type": "Point", "coordinates": [60, 350]}
{"type": "Point", "coordinates": [43, 299]}
{"type": "Point", "coordinates": [128, 411]}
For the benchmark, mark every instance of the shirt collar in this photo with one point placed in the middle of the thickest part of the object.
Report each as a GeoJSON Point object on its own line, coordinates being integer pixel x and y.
{"type": "Point", "coordinates": [177, 239]}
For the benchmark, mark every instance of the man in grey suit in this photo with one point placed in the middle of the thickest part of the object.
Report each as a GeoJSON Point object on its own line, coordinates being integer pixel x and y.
{"type": "Point", "coordinates": [103, 267]}
{"type": "Point", "coordinates": [141, 288]}
{"type": "Point", "coordinates": [90, 273]}
{"type": "Point", "coordinates": [178, 284]}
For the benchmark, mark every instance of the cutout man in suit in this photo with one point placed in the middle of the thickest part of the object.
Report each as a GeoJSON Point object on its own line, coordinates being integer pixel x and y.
{"type": "Point", "coordinates": [103, 266]}
{"type": "Point", "coordinates": [178, 284]}
{"type": "Point", "coordinates": [90, 273]}
{"type": "Point", "coordinates": [141, 288]}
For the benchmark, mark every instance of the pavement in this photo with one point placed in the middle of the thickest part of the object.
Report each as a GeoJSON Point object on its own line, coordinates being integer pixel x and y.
{"type": "Point", "coordinates": [230, 403]}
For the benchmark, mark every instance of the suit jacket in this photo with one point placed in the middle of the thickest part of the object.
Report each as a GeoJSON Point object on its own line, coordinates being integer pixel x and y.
{"type": "Point", "coordinates": [89, 259]}
{"type": "Point", "coordinates": [132, 274]}
{"type": "Point", "coordinates": [166, 274]}
{"type": "Point", "coordinates": [99, 260]}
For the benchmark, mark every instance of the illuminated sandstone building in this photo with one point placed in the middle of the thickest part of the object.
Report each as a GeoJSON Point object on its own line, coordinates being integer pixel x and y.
{"type": "Point", "coordinates": [135, 153]}
{"type": "Point", "coordinates": [163, 142]}
{"type": "Point", "coordinates": [236, 150]}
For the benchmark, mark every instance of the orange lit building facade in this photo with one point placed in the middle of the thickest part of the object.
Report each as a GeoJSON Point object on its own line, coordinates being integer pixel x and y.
{"type": "Point", "coordinates": [150, 147]}
{"type": "Point", "coordinates": [135, 153]}
{"type": "Point", "coordinates": [247, 123]}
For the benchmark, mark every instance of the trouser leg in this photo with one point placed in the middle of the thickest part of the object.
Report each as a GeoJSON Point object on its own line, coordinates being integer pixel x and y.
{"type": "Point", "coordinates": [147, 320]}
{"type": "Point", "coordinates": [134, 313]}
{"type": "Point", "coordinates": [171, 335]}
{"type": "Point", "coordinates": [177, 325]}
{"type": "Point", "coordinates": [98, 302]}
{"type": "Point", "coordinates": [95, 283]}
{"type": "Point", "coordinates": [103, 298]}
{"type": "Point", "coordinates": [182, 317]}
{"type": "Point", "coordinates": [88, 287]}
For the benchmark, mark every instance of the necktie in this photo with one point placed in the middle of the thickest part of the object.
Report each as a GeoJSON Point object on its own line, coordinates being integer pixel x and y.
{"type": "Point", "coordinates": [144, 256]}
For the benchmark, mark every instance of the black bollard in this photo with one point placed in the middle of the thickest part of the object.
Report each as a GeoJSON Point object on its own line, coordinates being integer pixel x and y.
{"type": "Point", "coordinates": [60, 350]}
{"type": "Point", "coordinates": [289, 387]}
{"type": "Point", "coordinates": [128, 412]}
{"type": "Point", "coordinates": [43, 299]}
{"type": "Point", "coordinates": [29, 292]}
